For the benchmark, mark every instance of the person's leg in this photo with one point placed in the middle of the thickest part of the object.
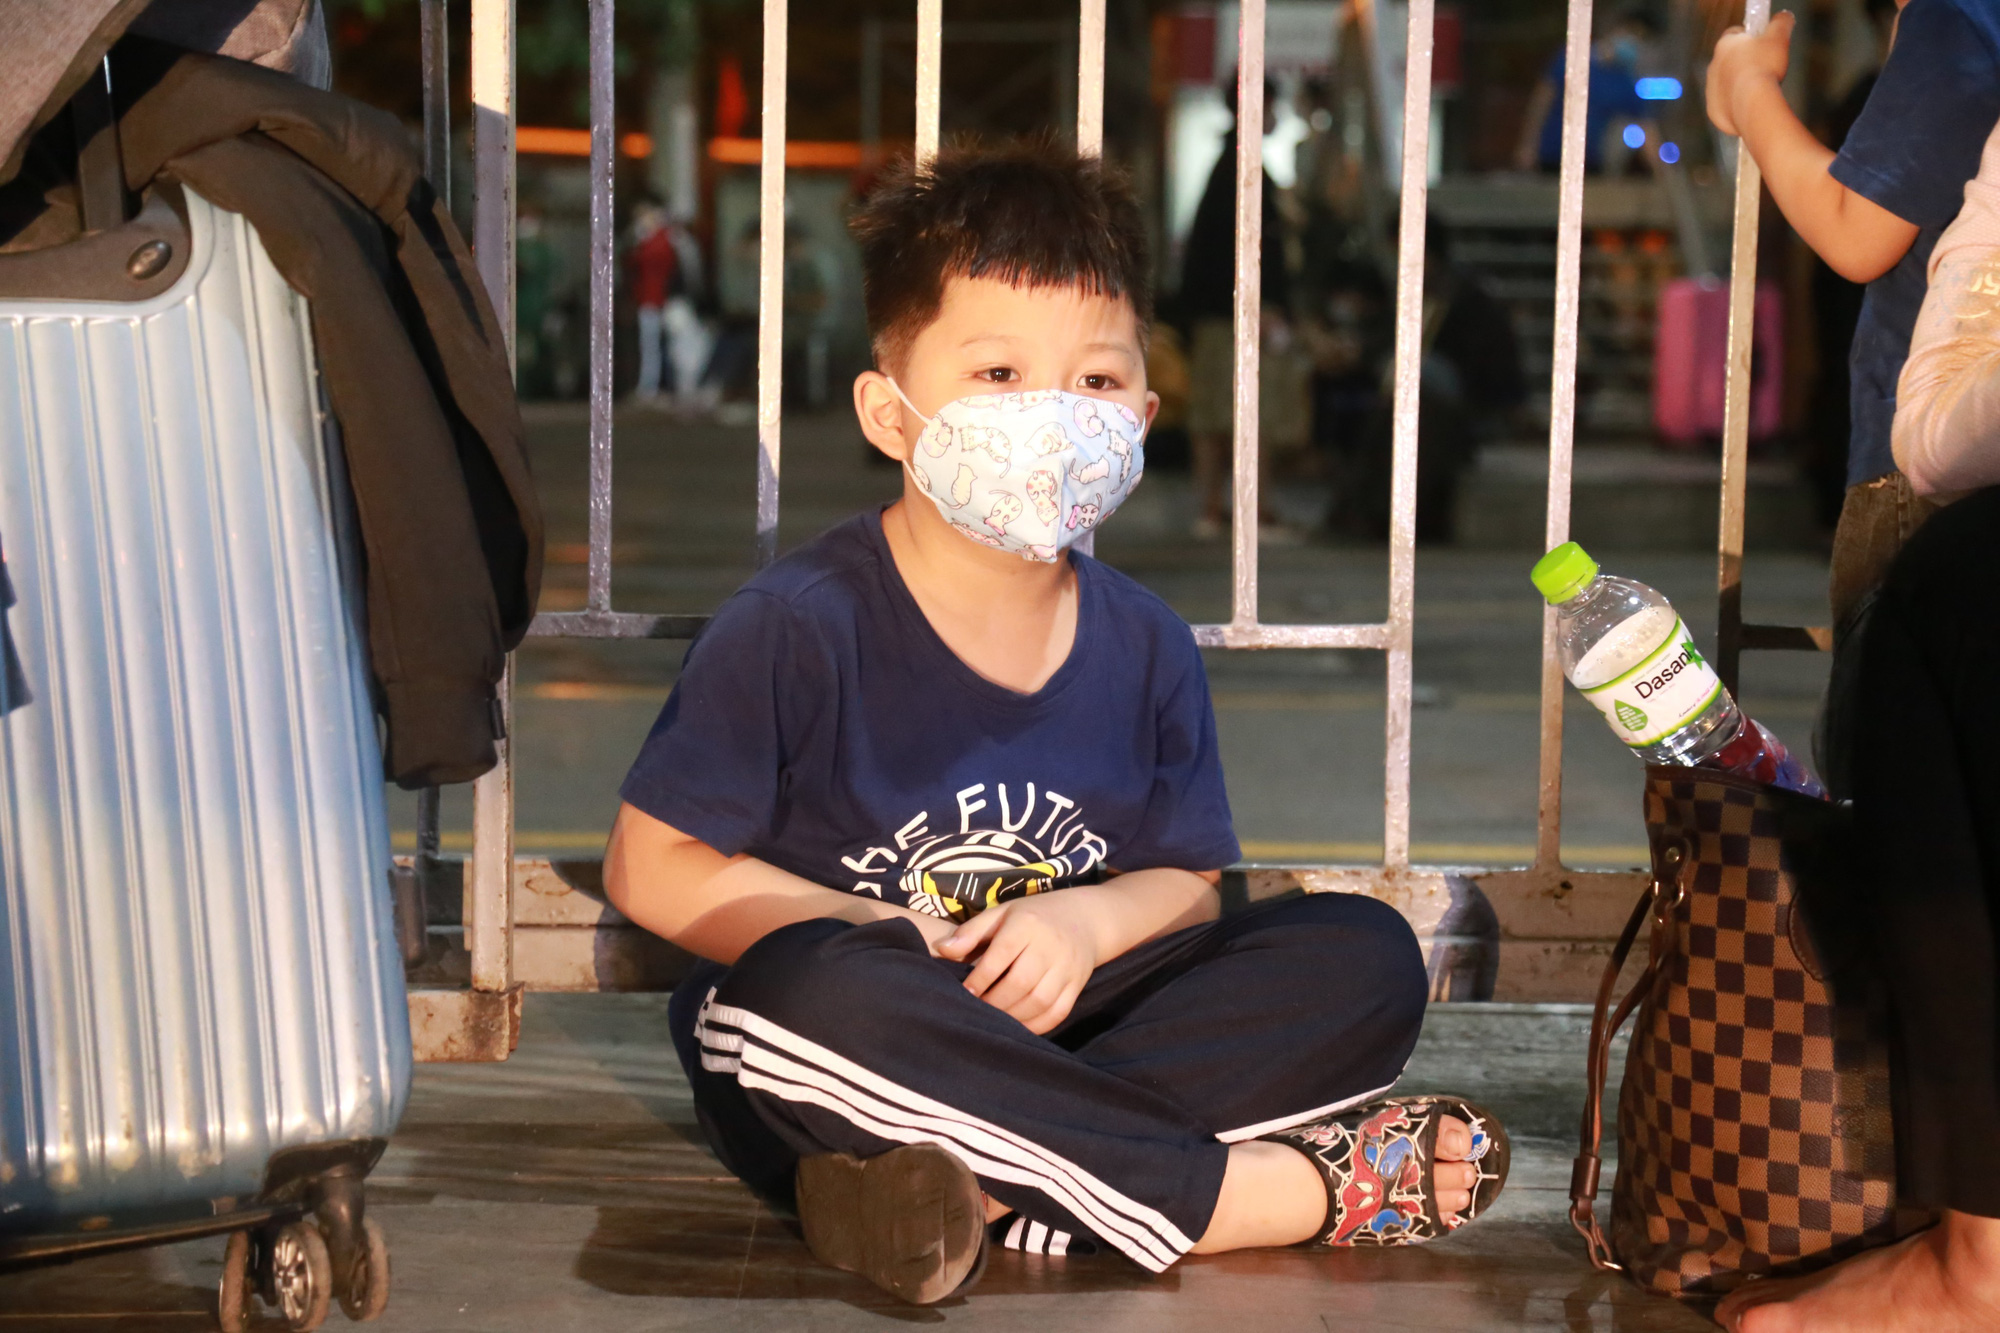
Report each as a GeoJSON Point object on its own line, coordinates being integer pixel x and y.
{"type": "Point", "coordinates": [1927, 738]}
{"type": "Point", "coordinates": [747, 1147]}
{"type": "Point", "coordinates": [854, 1039]}
{"type": "Point", "coordinates": [1264, 1019]}
{"type": "Point", "coordinates": [1876, 519]}
{"type": "Point", "coordinates": [688, 345]}
{"type": "Point", "coordinates": [1927, 801]}
{"type": "Point", "coordinates": [1211, 407]}
{"type": "Point", "coordinates": [1269, 1019]}
{"type": "Point", "coordinates": [649, 352]}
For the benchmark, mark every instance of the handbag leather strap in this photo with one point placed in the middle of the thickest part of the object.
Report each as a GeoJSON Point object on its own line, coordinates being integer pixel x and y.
{"type": "Point", "coordinates": [1659, 902]}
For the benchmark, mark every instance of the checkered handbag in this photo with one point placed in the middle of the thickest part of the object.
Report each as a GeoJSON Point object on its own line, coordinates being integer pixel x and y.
{"type": "Point", "coordinates": [1754, 1127]}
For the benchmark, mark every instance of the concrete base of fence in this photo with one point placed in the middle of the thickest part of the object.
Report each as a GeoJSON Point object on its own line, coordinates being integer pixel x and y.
{"type": "Point", "coordinates": [1514, 935]}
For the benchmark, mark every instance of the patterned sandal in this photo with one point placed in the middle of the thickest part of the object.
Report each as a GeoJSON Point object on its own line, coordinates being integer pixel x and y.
{"type": "Point", "coordinates": [1377, 1159]}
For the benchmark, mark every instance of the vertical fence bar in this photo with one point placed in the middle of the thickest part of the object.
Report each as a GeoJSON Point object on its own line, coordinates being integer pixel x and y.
{"type": "Point", "coordinates": [1403, 483]}
{"type": "Point", "coordinates": [435, 33]}
{"type": "Point", "coordinates": [436, 36]}
{"type": "Point", "coordinates": [1562, 416]}
{"type": "Point", "coordinates": [930, 72]}
{"type": "Point", "coordinates": [603, 167]}
{"type": "Point", "coordinates": [1090, 79]}
{"type": "Point", "coordinates": [771, 278]}
{"type": "Point", "coordinates": [1090, 121]}
{"type": "Point", "coordinates": [1249, 312]}
{"type": "Point", "coordinates": [489, 906]}
{"type": "Point", "coordinates": [1736, 406]}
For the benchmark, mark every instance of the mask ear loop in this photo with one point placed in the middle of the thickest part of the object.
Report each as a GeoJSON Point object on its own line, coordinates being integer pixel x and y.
{"type": "Point", "coordinates": [906, 399]}
{"type": "Point", "coordinates": [912, 472]}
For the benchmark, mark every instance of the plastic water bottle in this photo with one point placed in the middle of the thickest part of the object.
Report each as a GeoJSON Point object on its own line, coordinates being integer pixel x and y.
{"type": "Point", "coordinates": [1628, 653]}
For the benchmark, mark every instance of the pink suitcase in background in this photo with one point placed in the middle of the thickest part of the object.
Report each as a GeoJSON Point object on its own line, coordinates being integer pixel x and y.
{"type": "Point", "coordinates": [1690, 348]}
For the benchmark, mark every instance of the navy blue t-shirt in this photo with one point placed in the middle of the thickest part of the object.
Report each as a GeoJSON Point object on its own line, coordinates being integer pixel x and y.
{"type": "Point", "coordinates": [821, 724]}
{"type": "Point", "coordinates": [1916, 143]}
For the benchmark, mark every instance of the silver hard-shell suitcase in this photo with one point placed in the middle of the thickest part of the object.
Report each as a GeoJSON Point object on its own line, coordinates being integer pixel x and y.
{"type": "Point", "coordinates": [203, 1025]}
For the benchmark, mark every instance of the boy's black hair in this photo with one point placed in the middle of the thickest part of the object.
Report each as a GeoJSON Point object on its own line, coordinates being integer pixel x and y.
{"type": "Point", "coordinates": [1028, 212]}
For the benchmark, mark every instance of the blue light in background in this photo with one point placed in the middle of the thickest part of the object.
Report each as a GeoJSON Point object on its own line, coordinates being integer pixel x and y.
{"type": "Point", "coordinates": [1658, 90]}
{"type": "Point", "coordinates": [1670, 152]}
{"type": "Point", "coordinates": [1634, 137]}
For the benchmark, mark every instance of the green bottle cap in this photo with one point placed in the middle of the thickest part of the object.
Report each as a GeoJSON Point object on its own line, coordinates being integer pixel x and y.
{"type": "Point", "coordinates": [1563, 573]}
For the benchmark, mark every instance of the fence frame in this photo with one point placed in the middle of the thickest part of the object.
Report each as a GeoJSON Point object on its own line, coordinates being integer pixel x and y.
{"type": "Point", "coordinates": [1552, 916]}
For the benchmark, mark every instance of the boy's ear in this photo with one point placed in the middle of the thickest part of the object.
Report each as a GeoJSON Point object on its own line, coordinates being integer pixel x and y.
{"type": "Point", "coordinates": [1152, 408]}
{"type": "Point", "coordinates": [880, 411]}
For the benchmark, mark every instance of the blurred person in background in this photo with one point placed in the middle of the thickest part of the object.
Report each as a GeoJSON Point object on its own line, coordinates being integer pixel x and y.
{"type": "Point", "coordinates": [811, 281]}
{"type": "Point", "coordinates": [1471, 390]}
{"type": "Point", "coordinates": [1208, 301]}
{"type": "Point", "coordinates": [1616, 61]}
{"type": "Point", "coordinates": [649, 265]}
{"type": "Point", "coordinates": [664, 268]}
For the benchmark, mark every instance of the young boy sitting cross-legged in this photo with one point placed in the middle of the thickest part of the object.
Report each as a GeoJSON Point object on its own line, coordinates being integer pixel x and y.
{"type": "Point", "coordinates": [940, 799]}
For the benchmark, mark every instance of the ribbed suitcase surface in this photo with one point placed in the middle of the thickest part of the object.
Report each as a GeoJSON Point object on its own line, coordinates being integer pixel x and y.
{"type": "Point", "coordinates": [197, 963]}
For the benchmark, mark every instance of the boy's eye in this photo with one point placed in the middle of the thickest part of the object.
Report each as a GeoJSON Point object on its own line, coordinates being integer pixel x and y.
{"type": "Point", "coordinates": [997, 374]}
{"type": "Point", "coordinates": [1100, 383]}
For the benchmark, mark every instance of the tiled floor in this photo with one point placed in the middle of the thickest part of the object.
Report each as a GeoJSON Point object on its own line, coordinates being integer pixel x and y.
{"type": "Point", "coordinates": [568, 1189]}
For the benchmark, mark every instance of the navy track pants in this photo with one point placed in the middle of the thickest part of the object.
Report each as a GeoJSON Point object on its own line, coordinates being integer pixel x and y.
{"type": "Point", "coordinates": [832, 1037]}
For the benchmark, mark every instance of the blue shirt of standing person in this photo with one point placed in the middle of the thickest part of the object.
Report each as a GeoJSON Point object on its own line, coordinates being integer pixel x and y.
{"type": "Point", "coordinates": [1873, 212]}
{"type": "Point", "coordinates": [1913, 148]}
{"type": "Point", "coordinates": [1614, 97]}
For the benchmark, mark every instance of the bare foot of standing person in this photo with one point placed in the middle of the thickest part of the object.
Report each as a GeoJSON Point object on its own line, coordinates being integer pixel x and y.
{"type": "Point", "coordinates": [1944, 1280]}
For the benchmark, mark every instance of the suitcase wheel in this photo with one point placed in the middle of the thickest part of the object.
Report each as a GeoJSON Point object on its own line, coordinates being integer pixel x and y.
{"type": "Point", "coordinates": [232, 1294]}
{"type": "Point", "coordinates": [366, 1293]}
{"type": "Point", "coordinates": [301, 1276]}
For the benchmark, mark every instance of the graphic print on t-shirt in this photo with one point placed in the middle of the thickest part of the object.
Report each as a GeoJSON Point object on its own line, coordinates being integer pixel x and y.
{"type": "Point", "coordinates": [1041, 843]}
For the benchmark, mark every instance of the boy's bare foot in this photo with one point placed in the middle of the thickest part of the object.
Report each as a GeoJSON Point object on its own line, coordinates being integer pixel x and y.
{"type": "Point", "coordinates": [1452, 1176]}
{"type": "Point", "coordinates": [1944, 1280]}
{"type": "Point", "coordinates": [1370, 1163]}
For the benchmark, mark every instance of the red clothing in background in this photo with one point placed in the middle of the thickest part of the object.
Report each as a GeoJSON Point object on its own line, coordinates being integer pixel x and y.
{"type": "Point", "coordinates": [652, 263]}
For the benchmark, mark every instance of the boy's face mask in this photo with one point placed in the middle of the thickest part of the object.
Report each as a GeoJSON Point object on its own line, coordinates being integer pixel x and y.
{"type": "Point", "coordinates": [1028, 472]}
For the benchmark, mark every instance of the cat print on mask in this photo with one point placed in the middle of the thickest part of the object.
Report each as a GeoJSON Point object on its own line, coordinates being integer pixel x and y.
{"type": "Point", "coordinates": [1006, 508]}
{"type": "Point", "coordinates": [989, 440]}
{"type": "Point", "coordinates": [1090, 472]}
{"type": "Point", "coordinates": [1042, 495]}
{"type": "Point", "coordinates": [1050, 439]}
{"type": "Point", "coordinates": [1021, 402]}
{"type": "Point", "coordinates": [983, 538]}
{"type": "Point", "coordinates": [961, 486]}
{"type": "Point", "coordinates": [1087, 419]}
{"type": "Point", "coordinates": [936, 439]}
{"type": "Point", "coordinates": [1124, 452]}
{"type": "Point", "coordinates": [1082, 515]}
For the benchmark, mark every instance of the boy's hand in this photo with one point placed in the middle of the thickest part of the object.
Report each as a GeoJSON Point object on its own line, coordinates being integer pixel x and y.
{"type": "Point", "coordinates": [1039, 952]}
{"type": "Point", "coordinates": [934, 930]}
{"type": "Point", "coordinates": [1741, 60]}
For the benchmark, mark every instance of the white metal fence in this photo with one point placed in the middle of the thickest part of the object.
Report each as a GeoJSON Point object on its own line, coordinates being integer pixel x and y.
{"type": "Point", "coordinates": [1546, 896]}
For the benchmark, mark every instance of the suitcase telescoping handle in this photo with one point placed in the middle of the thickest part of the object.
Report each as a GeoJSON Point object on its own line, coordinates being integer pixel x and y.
{"type": "Point", "coordinates": [1660, 901]}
